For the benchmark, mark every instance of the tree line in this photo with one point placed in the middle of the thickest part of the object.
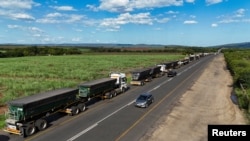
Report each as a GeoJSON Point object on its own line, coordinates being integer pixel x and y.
{"type": "Point", "coordinates": [36, 51]}
{"type": "Point", "coordinates": [21, 51]}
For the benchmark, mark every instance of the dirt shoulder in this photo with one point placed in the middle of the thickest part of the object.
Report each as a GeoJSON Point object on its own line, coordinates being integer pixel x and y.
{"type": "Point", "coordinates": [207, 102]}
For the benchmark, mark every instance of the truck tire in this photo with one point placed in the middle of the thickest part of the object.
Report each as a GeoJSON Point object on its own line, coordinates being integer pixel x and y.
{"type": "Point", "coordinates": [74, 110]}
{"type": "Point", "coordinates": [110, 95]}
{"type": "Point", "coordinates": [123, 90]}
{"type": "Point", "coordinates": [142, 83]}
{"type": "Point", "coordinates": [41, 124]}
{"type": "Point", "coordinates": [30, 130]}
{"type": "Point", "coordinates": [81, 107]}
{"type": "Point", "coordinates": [115, 94]}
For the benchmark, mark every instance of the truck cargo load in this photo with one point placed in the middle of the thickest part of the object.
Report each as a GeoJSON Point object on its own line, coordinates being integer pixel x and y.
{"type": "Point", "coordinates": [96, 88]}
{"type": "Point", "coordinates": [31, 106]}
{"type": "Point", "coordinates": [155, 71]}
{"type": "Point", "coordinates": [139, 76]}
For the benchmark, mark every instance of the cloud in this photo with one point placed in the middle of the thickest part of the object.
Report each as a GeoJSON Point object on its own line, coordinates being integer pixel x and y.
{"type": "Point", "coordinates": [190, 1]}
{"type": "Point", "coordinates": [16, 9]}
{"type": "Point", "coordinates": [240, 13]}
{"type": "Point", "coordinates": [210, 2]}
{"type": "Point", "coordinates": [60, 18]}
{"type": "Point", "coordinates": [130, 5]}
{"type": "Point", "coordinates": [236, 16]}
{"type": "Point", "coordinates": [126, 18]}
{"type": "Point", "coordinates": [21, 16]}
{"type": "Point", "coordinates": [31, 29]}
{"type": "Point", "coordinates": [163, 20]}
{"type": "Point", "coordinates": [172, 12]}
{"type": "Point", "coordinates": [64, 8]}
{"type": "Point", "coordinates": [214, 25]}
{"type": "Point", "coordinates": [17, 4]}
{"type": "Point", "coordinates": [190, 22]}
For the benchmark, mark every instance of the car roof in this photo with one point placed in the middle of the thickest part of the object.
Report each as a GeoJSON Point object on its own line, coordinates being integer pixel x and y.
{"type": "Point", "coordinates": [145, 94]}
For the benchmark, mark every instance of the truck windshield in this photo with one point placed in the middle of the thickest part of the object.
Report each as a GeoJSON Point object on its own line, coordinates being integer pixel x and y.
{"type": "Point", "coordinates": [15, 113]}
{"type": "Point", "coordinates": [83, 91]}
{"type": "Point", "coordinates": [135, 76]}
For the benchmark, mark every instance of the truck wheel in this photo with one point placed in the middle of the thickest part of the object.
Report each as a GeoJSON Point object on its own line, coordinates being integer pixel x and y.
{"type": "Point", "coordinates": [142, 83]}
{"type": "Point", "coordinates": [81, 107]}
{"type": "Point", "coordinates": [123, 90]}
{"type": "Point", "coordinates": [110, 95]}
{"type": "Point", "coordinates": [30, 130]}
{"type": "Point", "coordinates": [41, 124]}
{"type": "Point", "coordinates": [115, 94]}
{"type": "Point", "coordinates": [74, 110]}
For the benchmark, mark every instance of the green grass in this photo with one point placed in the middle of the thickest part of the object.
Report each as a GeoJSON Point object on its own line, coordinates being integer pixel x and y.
{"type": "Point", "coordinates": [2, 121]}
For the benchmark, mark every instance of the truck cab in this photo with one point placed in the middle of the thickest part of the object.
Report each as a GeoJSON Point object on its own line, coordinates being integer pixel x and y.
{"type": "Point", "coordinates": [121, 80]}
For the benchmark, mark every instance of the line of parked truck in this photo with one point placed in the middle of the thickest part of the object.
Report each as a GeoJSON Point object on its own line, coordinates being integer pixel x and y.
{"type": "Point", "coordinates": [29, 114]}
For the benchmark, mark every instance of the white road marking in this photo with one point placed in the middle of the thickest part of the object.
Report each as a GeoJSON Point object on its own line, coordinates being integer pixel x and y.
{"type": "Point", "coordinates": [83, 132]}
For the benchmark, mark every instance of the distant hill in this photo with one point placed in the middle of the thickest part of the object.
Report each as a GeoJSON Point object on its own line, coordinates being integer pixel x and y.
{"type": "Point", "coordinates": [235, 45]}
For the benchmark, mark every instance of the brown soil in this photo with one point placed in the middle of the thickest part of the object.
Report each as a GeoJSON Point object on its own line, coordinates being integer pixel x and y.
{"type": "Point", "coordinates": [207, 102]}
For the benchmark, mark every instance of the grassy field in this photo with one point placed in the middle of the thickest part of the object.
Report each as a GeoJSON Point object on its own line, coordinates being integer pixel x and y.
{"type": "Point", "coordinates": [25, 76]}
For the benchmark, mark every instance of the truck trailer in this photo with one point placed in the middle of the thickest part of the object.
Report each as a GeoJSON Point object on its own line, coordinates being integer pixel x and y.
{"type": "Point", "coordinates": [29, 114]}
{"type": "Point", "coordinates": [140, 76]}
{"type": "Point", "coordinates": [106, 88]}
{"type": "Point", "coordinates": [156, 71]}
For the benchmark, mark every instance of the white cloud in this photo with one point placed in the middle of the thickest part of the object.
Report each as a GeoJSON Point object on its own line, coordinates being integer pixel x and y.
{"type": "Point", "coordinates": [31, 29]}
{"type": "Point", "coordinates": [15, 9]}
{"type": "Point", "coordinates": [53, 15]}
{"type": "Point", "coordinates": [76, 39]}
{"type": "Point", "coordinates": [13, 26]}
{"type": "Point", "coordinates": [240, 13]}
{"type": "Point", "coordinates": [130, 5]}
{"type": "Point", "coordinates": [64, 8]}
{"type": "Point", "coordinates": [114, 23]}
{"type": "Point", "coordinates": [190, 1]}
{"type": "Point", "coordinates": [21, 16]}
{"type": "Point", "coordinates": [61, 18]}
{"type": "Point", "coordinates": [17, 4]}
{"type": "Point", "coordinates": [190, 22]}
{"type": "Point", "coordinates": [214, 25]}
{"type": "Point", "coordinates": [163, 20]}
{"type": "Point", "coordinates": [172, 12]}
{"type": "Point", "coordinates": [237, 16]}
{"type": "Point", "coordinates": [210, 2]}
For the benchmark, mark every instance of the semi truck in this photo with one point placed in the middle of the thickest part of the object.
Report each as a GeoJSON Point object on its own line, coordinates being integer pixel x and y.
{"type": "Point", "coordinates": [105, 88]}
{"type": "Point", "coordinates": [29, 114]}
{"type": "Point", "coordinates": [140, 76]}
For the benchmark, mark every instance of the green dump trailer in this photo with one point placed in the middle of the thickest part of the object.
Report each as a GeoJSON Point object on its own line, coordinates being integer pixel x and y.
{"type": "Point", "coordinates": [29, 114]}
{"type": "Point", "coordinates": [104, 88]}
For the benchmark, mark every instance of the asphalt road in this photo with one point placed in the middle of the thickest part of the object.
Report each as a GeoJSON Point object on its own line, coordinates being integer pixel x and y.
{"type": "Point", "coordinates": [118, 119]}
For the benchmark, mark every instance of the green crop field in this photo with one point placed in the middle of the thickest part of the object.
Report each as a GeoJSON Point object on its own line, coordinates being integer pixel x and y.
{"type": "Point", "coordinates": [25, 76]}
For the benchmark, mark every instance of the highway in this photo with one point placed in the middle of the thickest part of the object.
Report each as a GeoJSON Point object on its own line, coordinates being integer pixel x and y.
{"type": "Point", "coordinates": [117, 119]}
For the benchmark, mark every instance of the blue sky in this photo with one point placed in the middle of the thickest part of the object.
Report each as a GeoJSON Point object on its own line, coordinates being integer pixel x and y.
{"type": "Point", "coordinates": [166, 22]}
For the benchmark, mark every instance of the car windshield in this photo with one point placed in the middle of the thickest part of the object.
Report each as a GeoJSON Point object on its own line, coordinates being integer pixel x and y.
{"type": "Point", "coordinates": [142, 97]}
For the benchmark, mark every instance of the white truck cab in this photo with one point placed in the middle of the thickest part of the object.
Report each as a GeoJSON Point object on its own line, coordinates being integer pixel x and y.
{"type": "Point", "coordinates": [121, 80]}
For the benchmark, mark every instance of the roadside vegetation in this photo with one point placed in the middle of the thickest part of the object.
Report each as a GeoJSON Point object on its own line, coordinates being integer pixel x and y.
{"type": "Point", "coordinates": [238, 62]}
